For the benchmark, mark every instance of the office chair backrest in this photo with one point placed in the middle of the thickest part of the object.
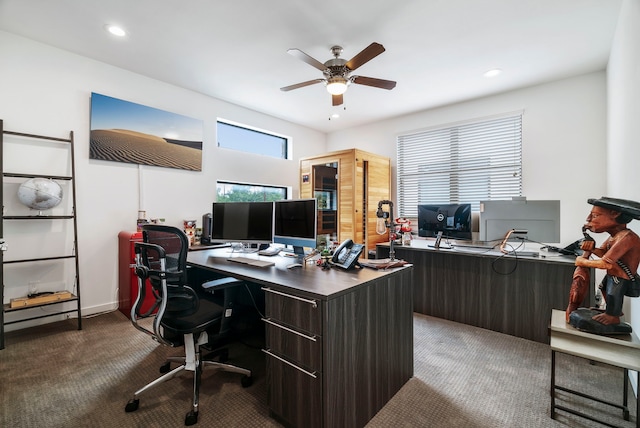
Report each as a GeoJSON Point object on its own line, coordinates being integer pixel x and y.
{"type": "Point", "coordinates": [161, 258]}
{"type": "Point", "coordinates": [175, 244]}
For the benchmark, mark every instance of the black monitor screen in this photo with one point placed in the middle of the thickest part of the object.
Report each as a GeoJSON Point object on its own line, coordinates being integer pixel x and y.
{"type": "Point", "coordinates": [453, 220]}
{"type": "Point", "coordinates": [248, 222]}
{"type": "Point", "coordinates": [295, 222]}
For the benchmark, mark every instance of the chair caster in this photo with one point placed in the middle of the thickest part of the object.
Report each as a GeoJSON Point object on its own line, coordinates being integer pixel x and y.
{"type": "Point", "coordinates": [132, 405]}
{"type": "Point", "coordinates": [246, 381]}
{"type": "Point", "coordinates": [191, 418]}
{"type": "Point", "coordinates": [165, 367]}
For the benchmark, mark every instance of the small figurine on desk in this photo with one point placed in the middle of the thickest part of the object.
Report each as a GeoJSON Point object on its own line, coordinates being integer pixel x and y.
{"type": "Point", "coordinates": [190, 230]}
{"type": "Point", "coordinates": [405, 229]}
{"type": "Point", "coordinates": [619, 255]}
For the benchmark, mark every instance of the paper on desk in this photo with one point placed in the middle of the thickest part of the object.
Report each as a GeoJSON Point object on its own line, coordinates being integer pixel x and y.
{"type": "Point", "coordinates": [382, 263]}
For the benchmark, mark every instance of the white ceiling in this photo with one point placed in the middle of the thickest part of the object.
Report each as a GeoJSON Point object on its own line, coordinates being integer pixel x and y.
{"type": "Point", "coordinates": [236, 50]}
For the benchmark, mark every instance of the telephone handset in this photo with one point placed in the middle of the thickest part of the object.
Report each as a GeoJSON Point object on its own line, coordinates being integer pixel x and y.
{"type": "Point", "coordinates": [347, 254]}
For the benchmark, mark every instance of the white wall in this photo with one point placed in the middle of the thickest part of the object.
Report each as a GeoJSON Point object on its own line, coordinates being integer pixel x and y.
{"type": "Point", "coordinates": [564, 132]}
{"type": "Point", "coordinates": [623, 152]}
{"type": "Point", "coordinates": [46, 91]}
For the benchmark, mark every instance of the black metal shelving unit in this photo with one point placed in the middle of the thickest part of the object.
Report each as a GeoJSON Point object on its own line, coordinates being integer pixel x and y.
{"type": "Point", "coordinates": [75, 292]}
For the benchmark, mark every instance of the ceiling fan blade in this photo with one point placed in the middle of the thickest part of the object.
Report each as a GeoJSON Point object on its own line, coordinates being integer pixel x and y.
{"type": "Point", "coordinates": [376, 83]}
{"type": "Point", "coordinates": [306, 58]}
{"type": "Point", "coordinates": [336, 99]}
{"type": "Point", "coordinates": [301, 85]}
{"type": "Point", "coordinates": [366, 55]}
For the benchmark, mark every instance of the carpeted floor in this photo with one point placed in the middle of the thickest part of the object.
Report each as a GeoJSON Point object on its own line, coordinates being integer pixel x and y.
{"type": "Point", "coordinates": [57, 376]}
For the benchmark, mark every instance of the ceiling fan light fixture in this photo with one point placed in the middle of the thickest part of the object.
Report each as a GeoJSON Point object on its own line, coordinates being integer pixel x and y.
{"type": "Point", "coordinates": [337, 85]}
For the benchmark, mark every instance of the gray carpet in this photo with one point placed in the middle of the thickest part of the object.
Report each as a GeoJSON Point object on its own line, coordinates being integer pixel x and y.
{"type": "Point", "coordinates": [57, 376]}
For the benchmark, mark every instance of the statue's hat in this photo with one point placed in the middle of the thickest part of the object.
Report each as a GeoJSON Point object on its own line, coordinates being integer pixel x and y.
{"type": "Point", "coordinates": [625, 206]}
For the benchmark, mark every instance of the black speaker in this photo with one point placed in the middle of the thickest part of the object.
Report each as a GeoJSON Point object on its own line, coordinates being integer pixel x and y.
{"type": "Point", "coordinates": [207, 220]}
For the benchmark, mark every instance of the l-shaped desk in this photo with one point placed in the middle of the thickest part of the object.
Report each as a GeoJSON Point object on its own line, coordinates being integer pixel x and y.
{"type": "Point", "coordinates": [488, 289]}
{"type": "Point", "coordinates": [339, 344]}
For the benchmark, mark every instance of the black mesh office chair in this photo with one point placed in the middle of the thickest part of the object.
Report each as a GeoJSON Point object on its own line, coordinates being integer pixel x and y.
{"type": "Point", "coordinates": [184, 315]}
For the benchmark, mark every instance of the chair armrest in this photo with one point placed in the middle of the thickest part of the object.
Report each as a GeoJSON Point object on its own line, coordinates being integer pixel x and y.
{"type": "Point", "coordinates": [221, 284]}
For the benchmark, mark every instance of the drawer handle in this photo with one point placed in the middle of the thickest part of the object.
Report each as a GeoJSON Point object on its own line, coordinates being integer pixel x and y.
{"type": "Point", "coordinates": [268, 352]}
{"type": "Point", "coordinates": [275, 324]}
{"type": "Point", "coordinates": [311, 302]}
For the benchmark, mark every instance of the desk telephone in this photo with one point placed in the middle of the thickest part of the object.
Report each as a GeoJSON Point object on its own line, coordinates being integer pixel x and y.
{"type": "Point", "coordinates": [347, 254]}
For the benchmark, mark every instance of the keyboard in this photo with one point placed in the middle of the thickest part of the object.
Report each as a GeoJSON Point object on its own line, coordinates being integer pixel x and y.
{"type": "Point", "coordinates": [476, 246]}
{"type": "Point", "coordinates": [271, 251]}
{"type": "Point", "coordinates": [250, 261]}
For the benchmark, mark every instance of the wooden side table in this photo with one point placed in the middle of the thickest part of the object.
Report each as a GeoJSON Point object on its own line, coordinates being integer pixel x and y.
{"type": "Point", "coordinates": [620, 351]}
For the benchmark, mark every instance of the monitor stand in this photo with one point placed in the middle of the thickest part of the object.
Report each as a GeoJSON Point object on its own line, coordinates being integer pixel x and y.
{"type": "Point", "coordinates": [438, 244]}
{"type": "Point", "coordinates": [294, 251]}
{"type": "Point", "coordinates": [239, 247]}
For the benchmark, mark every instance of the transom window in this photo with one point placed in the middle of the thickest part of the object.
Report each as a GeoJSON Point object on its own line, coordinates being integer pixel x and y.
{"type": "Point", "coordinates": [465, 163]}
{"type": "Point", "coordinates": [242, 192]}
{"type": "Point", "coordinates": [243, 138]}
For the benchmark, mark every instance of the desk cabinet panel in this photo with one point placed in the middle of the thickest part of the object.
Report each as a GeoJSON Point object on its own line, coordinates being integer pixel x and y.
{"type": "Point", "coordinates": [290, 311]}
{"type": "Point", "coordinates": [304, 350]}
{"type": "Point", "coordinates": [362, 357]}
{"type": "Point", "coordinates": [294, 397]}
{"type": "Point", "coordinates": [506, 294]}
{"type": "Point", "coordinates": [294, 358]}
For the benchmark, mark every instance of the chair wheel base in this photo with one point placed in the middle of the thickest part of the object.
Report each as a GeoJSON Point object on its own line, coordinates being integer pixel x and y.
{"type": "Point", "coordinates": [246, 381]}
{"type": "Point", "coordinates": [191, 418]}
{"type": "Point", "coordinates": [132, 405]}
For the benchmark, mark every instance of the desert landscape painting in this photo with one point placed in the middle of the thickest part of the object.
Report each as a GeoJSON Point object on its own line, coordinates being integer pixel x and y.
{"type": "Point", "coordinates": [122, 131]}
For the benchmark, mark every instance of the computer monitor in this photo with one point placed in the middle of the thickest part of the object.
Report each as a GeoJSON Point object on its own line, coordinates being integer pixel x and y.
{"type": "Point", "coordinates": [540, 220]}
{"type": "Point", "coordinates": [242, 222]}
{"type": "Point", "coordinates": [453, 220]}
{"type": "Point", "coordinates": [296, 223]}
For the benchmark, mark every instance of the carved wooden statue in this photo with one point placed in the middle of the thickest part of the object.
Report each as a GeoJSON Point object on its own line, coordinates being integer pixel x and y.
{"type": "Point", "coordinates": [619, 255]}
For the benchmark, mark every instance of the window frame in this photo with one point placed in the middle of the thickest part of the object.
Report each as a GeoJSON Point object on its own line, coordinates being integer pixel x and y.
{"type": "Point", "coordinates": [285, 147]}
{"type": "Point", "coordinates": [286, 189]}
{"type": "Point", "coordinates": [449, 155]}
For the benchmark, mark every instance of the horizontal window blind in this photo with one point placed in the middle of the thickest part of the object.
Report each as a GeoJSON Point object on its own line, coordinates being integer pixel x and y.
{"type": "Point", "coordinates": [465, 163]}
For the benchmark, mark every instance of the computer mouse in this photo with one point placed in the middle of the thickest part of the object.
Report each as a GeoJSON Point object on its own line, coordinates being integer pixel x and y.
{"type": "Point", "coordinates": [294, 265]}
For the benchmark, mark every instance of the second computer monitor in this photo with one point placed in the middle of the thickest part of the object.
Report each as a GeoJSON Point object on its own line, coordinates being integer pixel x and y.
{"type": "Point", "coordinates": [295, 223]}
{"type": "Point", "coordinates": [453, 220]}
{"type": "Point", "coordinates": [242, 222]}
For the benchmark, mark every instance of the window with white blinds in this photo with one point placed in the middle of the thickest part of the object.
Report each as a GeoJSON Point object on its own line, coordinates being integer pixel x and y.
{"type": "Point", "coordinates": [465, 163]}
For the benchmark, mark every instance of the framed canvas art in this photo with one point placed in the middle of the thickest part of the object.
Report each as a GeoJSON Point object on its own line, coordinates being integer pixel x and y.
{"type": "Point", "coordinates": [122, 131]}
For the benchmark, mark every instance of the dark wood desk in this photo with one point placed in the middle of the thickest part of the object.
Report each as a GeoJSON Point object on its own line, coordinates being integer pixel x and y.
{"type": "Point", "coordinates": [339, 344]}
{"type": "Point", "coordinates": [488, 289]}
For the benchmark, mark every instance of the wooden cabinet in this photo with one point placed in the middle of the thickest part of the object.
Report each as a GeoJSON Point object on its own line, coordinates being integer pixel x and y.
{"type": "Point", "coordinates": [335, 362]}
{"type": "Point", "coordinates": [43, 243]}
{"type": "Point", "coordinates": [294, 363]}
{"type": "Point", "coordinates": [488, 289]}
{"type": "Point", "coordinates": [362, 180]}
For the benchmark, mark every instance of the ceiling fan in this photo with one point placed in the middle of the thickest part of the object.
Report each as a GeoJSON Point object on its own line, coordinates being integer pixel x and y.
{"type": "Point", "coordinates": [337, 71]}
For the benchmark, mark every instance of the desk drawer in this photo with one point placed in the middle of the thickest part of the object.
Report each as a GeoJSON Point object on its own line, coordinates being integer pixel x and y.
{"type": "Point", "coordinates": [294, 397]}
{"type": "Point", "coordinates": [302, 314]}
{"type": "Point", "coordinates": [301, 348]}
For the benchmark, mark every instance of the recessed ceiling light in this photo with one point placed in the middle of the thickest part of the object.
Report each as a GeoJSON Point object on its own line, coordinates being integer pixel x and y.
{"type": "Point", "coordinates": [335, 115]}
{"type": "Point", "coordinates": [492, 73]}
{"type": "Point", "coordinates": [115, 30]}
